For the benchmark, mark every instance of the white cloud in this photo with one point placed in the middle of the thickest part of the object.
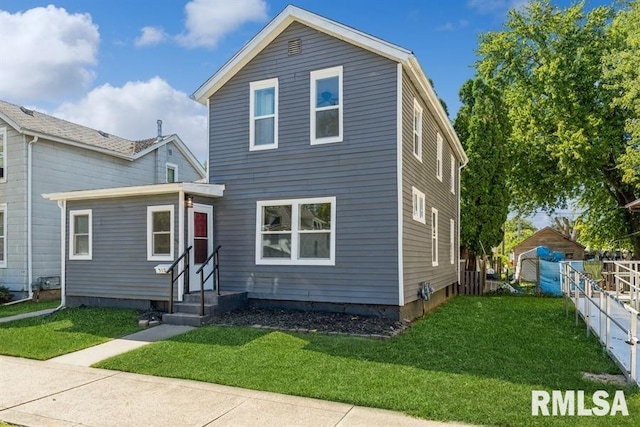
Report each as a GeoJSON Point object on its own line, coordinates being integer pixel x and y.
{"type": "Point", "coordinates": [131, 112]}
{"type": "Point", "coordinates": [210, 20]}
{"type": "Point", "coordinates": [48, 52]}
{"type": "Point", "coordinates": [151, 36]}
{"type": "Point", "coordinates": [453, 26]}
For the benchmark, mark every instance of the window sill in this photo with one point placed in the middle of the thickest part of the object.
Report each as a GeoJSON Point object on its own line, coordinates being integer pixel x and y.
{"type": "Point", "coordinates": [323, 141]}
{"type": "Point", "coordinates": [263, 147]}
{"type": "Point", "coordinates": [320, 262]}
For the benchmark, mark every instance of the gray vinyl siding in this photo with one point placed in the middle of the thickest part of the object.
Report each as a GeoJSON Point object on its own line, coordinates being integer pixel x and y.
{"type": "Point", "coordinates": [169, 153]}
{"type": "Point", "coordinates": [360, 172]}
{"type": "Point", "coordinates": [119, 266]}
{"type": "Point", "coordinates": [417, 252]}
{"type": "Point", "coordinates": [13, 192]}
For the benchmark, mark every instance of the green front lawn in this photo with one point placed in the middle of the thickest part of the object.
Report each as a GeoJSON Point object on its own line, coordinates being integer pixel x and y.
{"type": "Point", "coordinates": [26, 307]}
{"type": "Point", "coordinates": [65, 331]}
{"type": "Point", "coordinates": [475, 360]}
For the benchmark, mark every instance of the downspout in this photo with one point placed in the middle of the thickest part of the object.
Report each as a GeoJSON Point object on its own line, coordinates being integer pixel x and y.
{"type": "Point", "coordinates": [462, 165]}
{"type": "Point", "coordinates": [29, 217]}
{"type": "Point", "coordinates": [181, 242]}
{"type": "Point", "coordinates": [62, 204]}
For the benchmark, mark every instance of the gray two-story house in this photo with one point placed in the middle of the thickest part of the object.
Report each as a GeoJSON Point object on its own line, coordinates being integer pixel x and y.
{"type": "Point", "coordinates": [333, 185]}
{"type": "Point", "coordinates": [40, 154]}
{"type": "Point", "coordinates": [341, 171]}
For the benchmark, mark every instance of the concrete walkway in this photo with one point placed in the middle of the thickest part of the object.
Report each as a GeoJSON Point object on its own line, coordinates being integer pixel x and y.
{"type": "Point", "coordinates": [95, 354]}
{"type": "Point", "coordinates": [49, 394]}
{"type": "Point", "coordinates": [27, 315]}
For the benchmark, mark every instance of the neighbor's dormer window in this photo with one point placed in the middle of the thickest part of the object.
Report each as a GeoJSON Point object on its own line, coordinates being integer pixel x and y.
{"type": "Point", "coordinates": [326, 106]}
{"type": "Point", "coordinates": [263, 120]}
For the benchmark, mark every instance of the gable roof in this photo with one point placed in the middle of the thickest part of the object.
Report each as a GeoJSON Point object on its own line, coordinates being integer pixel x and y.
{"type": "Point", "coordinates": [37, 124]}
{"type": "Point", "coordinates": [350, 35]}
{"type": "Point", "coordinates": [546, 230]}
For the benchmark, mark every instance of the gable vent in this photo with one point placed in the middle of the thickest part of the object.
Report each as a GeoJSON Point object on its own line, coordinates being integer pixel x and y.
{"type": "Point", "coordinates": [27, 111]}
{"type": "Point", "coordinates": [295, 47]}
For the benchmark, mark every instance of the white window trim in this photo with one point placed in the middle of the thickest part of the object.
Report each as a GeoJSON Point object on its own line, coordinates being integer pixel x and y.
{"type": "Point", "coordinates": [175, 172]}
{"type": "Point", "coordinates": [72, 241]}
{"type": "Point", "coordinates": [453, 174]}
{"type": "Point", "coordinates": [452, 241]}
{"type": "Point", "coordinates": [3, 137]}
{"type": "Point", "coordinates": [439, 156]}
{"type": "Point", "coordinates": [419, 211]}
{"type": "Point", "coordinates": [3, 209]}
{"type": "Point", "coordinates": [417, 109]}
{"type": "Point", "coordinates": [295, 206]}
{"type": "Point", "coordinates": [434, 237]}
{"type": "Point", "coordinates": [150, 211]}
{"type": "Point", "coordinates": [253, 87]}
{"type": "Point", "coordinates": [323, 74]}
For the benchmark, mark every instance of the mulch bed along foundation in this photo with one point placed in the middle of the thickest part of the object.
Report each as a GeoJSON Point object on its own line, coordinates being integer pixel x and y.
{"type": "Point", "coordinates": [312, 322]}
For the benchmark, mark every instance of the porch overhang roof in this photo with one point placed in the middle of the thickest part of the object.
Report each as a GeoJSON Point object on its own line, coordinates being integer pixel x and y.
{"type": "Point", "coordinates": [191, 188]}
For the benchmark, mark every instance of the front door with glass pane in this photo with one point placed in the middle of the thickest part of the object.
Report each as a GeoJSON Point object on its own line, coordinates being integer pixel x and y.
{"type": "Point", "coordinates": [200, 238]}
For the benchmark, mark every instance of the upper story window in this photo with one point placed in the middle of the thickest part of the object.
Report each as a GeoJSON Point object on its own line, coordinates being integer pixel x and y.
{"type": "Point", "coordinates": [326, 105]}
{"type": "Point", "coordinates": [453, 174]}
{"type": "Point", "coordinates": [417, 130]}
{"type": "Point", "coordinates": [263, 120]}
{"type": "Point", "coordinates": [434, 237]}
{"type": "Point", "coordinates": [3, 235]}
{"type": "Point", "coordinates": [418, 205]}
{"type": "Point", "coordinates": [160, 233]}
{"type": "Point", "coordinates": [439, 156]}
{"type": "Point", "coordinates": [172, 172]}
{"type": "Point", "coordinates": [3, 154]}
{"type": "Point", "coordinates": [80, 234]}
{"type": "Point", "coordinates": [299, 231]}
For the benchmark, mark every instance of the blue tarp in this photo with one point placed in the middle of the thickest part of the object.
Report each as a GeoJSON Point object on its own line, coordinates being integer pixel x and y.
{"type": "Point", "coordinates": [547, 255]}
{"type": "Point", "coordinates": [550, 276]}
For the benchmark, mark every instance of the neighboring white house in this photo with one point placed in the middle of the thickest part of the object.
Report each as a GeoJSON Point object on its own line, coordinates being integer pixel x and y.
{"type": "Point", "coordinates": [43, 154]}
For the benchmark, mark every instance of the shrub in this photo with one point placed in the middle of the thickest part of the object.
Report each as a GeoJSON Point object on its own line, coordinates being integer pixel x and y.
{"type": "Point", "coordinates": [5, 295]}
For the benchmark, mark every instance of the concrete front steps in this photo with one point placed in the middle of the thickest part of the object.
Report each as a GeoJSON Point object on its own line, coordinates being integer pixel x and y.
{"type": "Point", "coordinates": [187, 312]}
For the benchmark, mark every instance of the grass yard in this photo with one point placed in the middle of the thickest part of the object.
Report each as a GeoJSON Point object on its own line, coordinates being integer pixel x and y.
{"type": "Point", "coordinates": [65, 331]}
{"type": "Point", "coordinates": [26, 307]}
{"type": "Point", "coordinates": [475, 360]}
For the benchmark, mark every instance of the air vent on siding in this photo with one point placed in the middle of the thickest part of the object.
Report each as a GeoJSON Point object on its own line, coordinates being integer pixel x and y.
{"type": "Point", "coordinates": [295, 47]}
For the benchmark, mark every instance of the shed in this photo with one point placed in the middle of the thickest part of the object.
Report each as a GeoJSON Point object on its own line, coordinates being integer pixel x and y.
{"type": "Point", "coordinates": [554, 240]}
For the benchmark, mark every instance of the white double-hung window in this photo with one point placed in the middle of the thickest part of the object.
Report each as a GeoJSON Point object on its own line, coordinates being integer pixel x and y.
{"type": "Point", "coordinates": [439, 156]}
{"type": "Point", "coordinates": [417, 130]}
{"type": "Point", "coordinates": [160, 233]}
{"type": "Point", "coordinates": [418, 205]}
{"type": "Point", "coordinates": [80, 235]}
{"type": "Point", "coordinates": [297, 231]}
{"type": "Point", "coordinates": [263, 112]}
{"type": "Point", "coordinates": [434, 237]}
{"type": "Point", "coordinates": [326, 106]}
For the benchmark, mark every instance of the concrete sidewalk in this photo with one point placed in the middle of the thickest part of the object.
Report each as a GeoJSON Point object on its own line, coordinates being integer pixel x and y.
{"type": "Point", "coordinates": [27, 315]}
{"type": "Point", "coordinates": [48, 394]}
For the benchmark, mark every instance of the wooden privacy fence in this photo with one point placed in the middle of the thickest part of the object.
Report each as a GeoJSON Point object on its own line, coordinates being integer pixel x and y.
{"type": "Point", "coordinates": [471, 283]}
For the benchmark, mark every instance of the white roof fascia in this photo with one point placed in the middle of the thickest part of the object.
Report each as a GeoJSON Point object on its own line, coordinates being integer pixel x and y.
{"type": "Point", "coordinates": [181, 146]}
{"type": "Point", "coordinates": [76, 144]}
{"type": "Point", "coordinates": [10, 122]}
{"type": "Point", "coordinates": [422, 83]}
{"type": "Point", "coordinates": [197, 189]}
{"type": "Point", "coordinates": [277, 26]}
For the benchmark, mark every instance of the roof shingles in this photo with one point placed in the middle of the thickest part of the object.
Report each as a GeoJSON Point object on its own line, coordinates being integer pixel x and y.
{"type": "Point", "coordinates": [30, 121]}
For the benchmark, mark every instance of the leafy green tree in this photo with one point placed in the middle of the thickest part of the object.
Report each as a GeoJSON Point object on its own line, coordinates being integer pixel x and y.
{"type": "Point", "coordinates": [516, 230]}
{"type": "Point", "coordinates": [622, 74]}
{"type": "Point", "coordinates": [567, 129]}
{"type": "Point", "coordinates": [483, 128]}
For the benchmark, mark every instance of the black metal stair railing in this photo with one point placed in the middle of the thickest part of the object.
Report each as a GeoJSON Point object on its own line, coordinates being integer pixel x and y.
{"type": "Point", "coordinates": [174, 277]}
{"type": "Point", "coordinates": [215, 271]}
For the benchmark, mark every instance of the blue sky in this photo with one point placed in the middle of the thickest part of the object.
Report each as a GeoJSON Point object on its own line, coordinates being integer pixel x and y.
{"type": "Point", "coordinates": [119, 65]}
